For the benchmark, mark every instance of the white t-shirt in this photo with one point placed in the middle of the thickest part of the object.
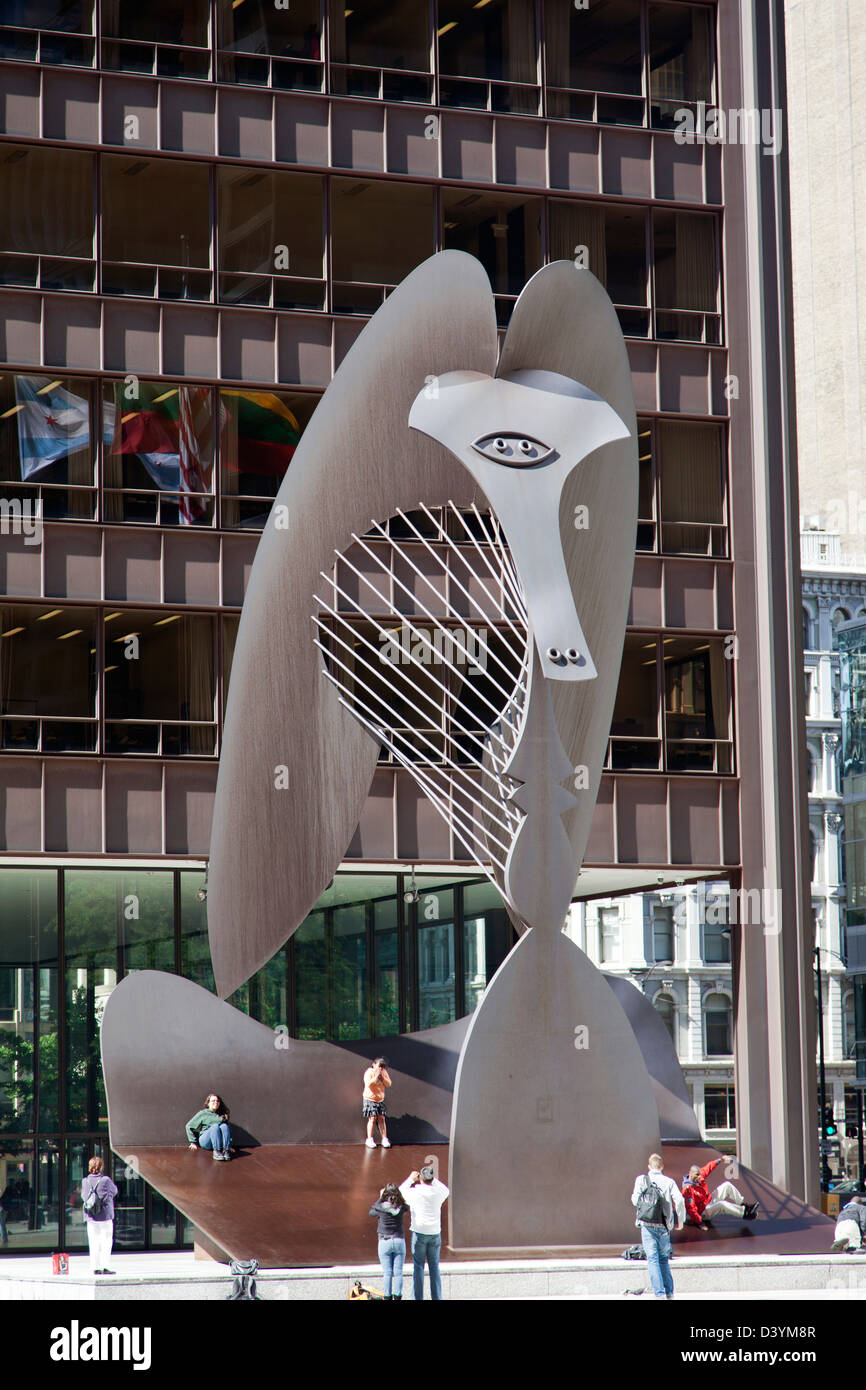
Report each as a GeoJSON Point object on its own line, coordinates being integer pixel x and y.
{"type": "Point", "coordinates": [425, 1202]}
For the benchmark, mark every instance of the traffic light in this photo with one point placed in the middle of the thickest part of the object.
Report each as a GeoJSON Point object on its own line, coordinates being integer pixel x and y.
{"type": "Point", "coordinates": [830, 1129]}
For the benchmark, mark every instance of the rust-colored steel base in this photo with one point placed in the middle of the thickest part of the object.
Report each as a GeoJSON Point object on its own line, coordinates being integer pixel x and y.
{"type": "Point", "coordinates": [291, 1206]}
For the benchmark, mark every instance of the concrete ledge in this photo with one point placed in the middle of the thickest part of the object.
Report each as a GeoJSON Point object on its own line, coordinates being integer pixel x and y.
{"type": "Point", "coordinates": [179, 1277]}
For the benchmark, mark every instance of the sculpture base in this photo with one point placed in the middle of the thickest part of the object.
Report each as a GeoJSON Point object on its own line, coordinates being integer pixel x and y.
{"type": "Point", "coordinates": [554, 1111]}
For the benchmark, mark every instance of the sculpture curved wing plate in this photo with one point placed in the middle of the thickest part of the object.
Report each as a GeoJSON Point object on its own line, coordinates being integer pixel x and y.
{"type": "Point", "coordinates": [296, 765]}
{"type": "Point", "coordinates": [278, 836]}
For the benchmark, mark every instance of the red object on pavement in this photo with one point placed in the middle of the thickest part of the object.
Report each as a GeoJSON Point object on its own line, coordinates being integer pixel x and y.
{"type": "Point", "coordinates": [59, 1263]}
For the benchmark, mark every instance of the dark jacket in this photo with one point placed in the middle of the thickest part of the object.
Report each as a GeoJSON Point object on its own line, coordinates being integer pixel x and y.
{"type": "Point", "coordinates": [390, 1220]}
{"type": "Point", "coordinates": [106, 1190]}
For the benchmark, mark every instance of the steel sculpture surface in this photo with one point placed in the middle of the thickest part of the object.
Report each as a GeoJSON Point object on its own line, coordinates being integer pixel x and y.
{"type": "Point", "coordinates": [514, 595]}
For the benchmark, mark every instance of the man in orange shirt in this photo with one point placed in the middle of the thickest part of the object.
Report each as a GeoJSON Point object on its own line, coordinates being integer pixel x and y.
{"type": "Point", "coordinates": [376, 1079]}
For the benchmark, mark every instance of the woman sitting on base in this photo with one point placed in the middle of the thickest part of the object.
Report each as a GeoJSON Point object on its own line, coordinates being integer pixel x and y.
{"type": "Point", "coordinates": [210, 1128]}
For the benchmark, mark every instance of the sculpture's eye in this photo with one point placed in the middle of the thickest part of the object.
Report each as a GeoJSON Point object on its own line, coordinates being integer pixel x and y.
{"type": "Point", "coordinates": [515, 450]}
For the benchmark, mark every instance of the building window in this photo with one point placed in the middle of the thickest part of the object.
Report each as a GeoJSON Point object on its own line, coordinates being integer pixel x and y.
{"type": "Point", "coordinates": [716, 931]}
{"type": "Point", "coordinates": [663, 934]}
{"type": "Point", "coordinates": [849, 1031]}
{"type": "Point", "coordinates": [502, 230]}
{"type": "Point", "coordinates": [367, 257]}
{"type": "Point", "coordinates": [144, 251]}
{"type": "Point", "coordinates": [720, 1110]}
{"type": "Point", "coordinates": [609, 935]}
{"type": "Point", "coordinates": [48, 679]}
{"type": "Point", "coordinates": [158, 453]}
{"type": "Point", "coordinates": [665, 1008]}
{"type": "Point", "coordinates": [269, 45]}
{"type": "Point", "coordinates": [807, 629]}
{"type": "Point", "coordinates": [692, 479]}
{"type": "Point", "coordinates": [381, 50]}
{"type": "Point", "coordinates": [686, 276]}
{"type": "Point", "coordinates": [164, 36]}
{"type": "Point", "coordinates": [597, 52]}
{"type": "Point", "coordinates": [46, 229]}
{"type": "Point", "coordinates": [271, 243]}
{"type": "Point", "coordinates": [611, 242]}
{"type": "Point", "coordinates": [259, 432]}
{"type": "Point", "coordinates": [718, 1031]}
{"type": "Point", "coordinates": [496, 45]}
{"type": "Point", "coordinates": [680, 59]}
{"type": "Point", "coordinates": [159, 683]}
{"type": "Point", "coordinates": [47, 449]}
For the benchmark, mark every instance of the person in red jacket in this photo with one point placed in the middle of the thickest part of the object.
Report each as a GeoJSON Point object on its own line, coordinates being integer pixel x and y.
{"type": "Point", "coordinates": [702, 1205]}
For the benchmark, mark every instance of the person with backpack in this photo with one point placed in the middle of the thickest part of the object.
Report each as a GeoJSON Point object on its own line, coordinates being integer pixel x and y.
{"type": "Point", "coordinates": [390, 1211]}
{"type": "Point", "coordinates": [660, 1209]}
{"type": "Point", "coordinates": [97, 1199]}
{"type": "Point", "coordinates": [209, 1128]}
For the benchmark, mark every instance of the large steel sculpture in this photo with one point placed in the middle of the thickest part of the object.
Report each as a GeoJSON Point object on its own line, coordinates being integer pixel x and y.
{"type": "Point", "coordinates": [351, 640]}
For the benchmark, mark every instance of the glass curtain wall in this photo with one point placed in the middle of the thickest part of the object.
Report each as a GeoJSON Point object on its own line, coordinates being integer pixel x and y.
{"type": "Point", "coordinates": [380, 954]}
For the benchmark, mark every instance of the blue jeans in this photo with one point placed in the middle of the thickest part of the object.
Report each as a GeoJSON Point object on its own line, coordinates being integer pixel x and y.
{"type": "Point", "coordinates": [425, 1248]}
{"type": "Point", "coordinates": [657, 1244]}
{"type": "Point", "coordinates": [217, 1136]}
{"type": "Point", "coordinates": [392, 1253]}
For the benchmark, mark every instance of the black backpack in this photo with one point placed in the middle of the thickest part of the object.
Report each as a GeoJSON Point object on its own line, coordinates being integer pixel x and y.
{"type": "Point", "coordinates": [94, 1202]}
{"type": "Point", "coordinates": [651, 1205]}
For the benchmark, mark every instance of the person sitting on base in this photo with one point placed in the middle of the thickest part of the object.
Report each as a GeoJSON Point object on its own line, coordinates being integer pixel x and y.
{"type": "Point", "coordinates": [702, 1205]}
{"type": "Point", "coordinates": [850, 1227]}
{"type": "Point", "coordinates": [376, 1079]}
{"type": "Point", "coordinates": [209, 1128]}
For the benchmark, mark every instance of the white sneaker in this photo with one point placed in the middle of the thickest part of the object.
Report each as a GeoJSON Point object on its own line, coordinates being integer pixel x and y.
{"type": "Point", "coordinates": [370, 1143]}
{"type": "Point", "coordinates": [386, 1143]}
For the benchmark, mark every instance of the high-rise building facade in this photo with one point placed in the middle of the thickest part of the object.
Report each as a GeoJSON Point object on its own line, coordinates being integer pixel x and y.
{"type": "Point", "coordinates": [202, 203]}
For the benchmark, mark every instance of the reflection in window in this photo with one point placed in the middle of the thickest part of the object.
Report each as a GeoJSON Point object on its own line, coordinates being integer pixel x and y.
{"type": "Point", "coordinates": [159, 683]}
{"type": "Point", "coordinates": [635, 741]}
{"type": "Point", "coordinates": [47, 679]}
{"type": "Point", "coordinates": [158, 455]}
{"type": "Point", "coordinates": [487, 938]}
{"type": "Point", "coordinates": [92, 912]}
{"type": "Point", "coordinates": [270, 238]}
{"type": "Point", "coordinates": [350, 972]}
{"type": "Point", "coordinates": [146, 920]}
{"type": "Point", "coordinates": [435, 952]}
{"type": "Point", "coordinates": [47, 446]}
{"type": "Point", "coordinates": [260, 431]}
{"type": "Point", "coordinates": [365, 250]}
{"type": "Point", "coordinates": [29, 1050]}
{"type": "Point", "coordinates": [717, 1026]}
{"type": "Point", "coordinates": [195, 960]}
{"type": "Point", "coordinates": [311, 978]}
{"type": "Point", "coordinates": [385, 967]}
{"type": "Point", "coordinates": [137, 236]}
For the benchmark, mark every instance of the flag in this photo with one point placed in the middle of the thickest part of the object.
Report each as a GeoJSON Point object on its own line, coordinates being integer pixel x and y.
{"type": "Point", "coordinates": [52, 423]}
{"type": "Point", "coordinates": [267, 432]}
{"type": "Point", "coordinates": [168, 430]}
